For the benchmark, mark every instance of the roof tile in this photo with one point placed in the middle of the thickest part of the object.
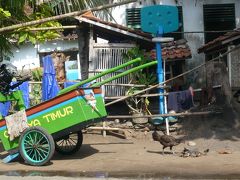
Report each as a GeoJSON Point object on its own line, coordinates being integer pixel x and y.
{"type": "Point", "coordinates": [174, 50]}
{"type": "Point", "coordinates": [219, 40]}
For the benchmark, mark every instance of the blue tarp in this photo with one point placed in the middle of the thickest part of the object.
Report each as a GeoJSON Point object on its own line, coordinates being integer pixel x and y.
{"type": "Point", "coordinates": [49, 83]}
{"type": "Point", "coordinates": [24, 87]}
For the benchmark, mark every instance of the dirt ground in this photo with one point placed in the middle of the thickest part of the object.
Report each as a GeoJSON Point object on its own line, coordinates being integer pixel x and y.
{"type": "Point", "coordinates": [140, 157]}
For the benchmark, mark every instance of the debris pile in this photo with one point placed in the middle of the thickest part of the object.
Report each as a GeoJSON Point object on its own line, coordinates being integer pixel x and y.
{"type": "Point", "coordinates": [188, 152]}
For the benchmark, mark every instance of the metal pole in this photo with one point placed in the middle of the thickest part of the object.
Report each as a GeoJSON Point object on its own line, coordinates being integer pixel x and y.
{"type": "Point", "coordinates": [165, 98]}
{"type": "Point", "coordinates": [160, 70]}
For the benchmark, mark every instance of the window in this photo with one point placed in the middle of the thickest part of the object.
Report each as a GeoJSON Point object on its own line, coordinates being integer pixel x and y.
{"type": "Point", "coordinates": [218, 17]}
{"type": "Point", "coordinates": [133, 19]}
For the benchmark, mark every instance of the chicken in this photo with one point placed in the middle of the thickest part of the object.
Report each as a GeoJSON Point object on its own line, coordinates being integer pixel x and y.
{"type": "Point", "coordinates": [166, 140]}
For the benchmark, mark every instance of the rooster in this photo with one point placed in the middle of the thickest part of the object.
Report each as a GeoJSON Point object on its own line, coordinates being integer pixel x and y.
{"type": "Point", "coordinates": [166, 140]}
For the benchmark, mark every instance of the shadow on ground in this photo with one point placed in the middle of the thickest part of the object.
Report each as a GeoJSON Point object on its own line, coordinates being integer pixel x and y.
{"type": "Point", "coordinates": [85, 151]}
{"type": "Point", "coordinates": [224, 126]}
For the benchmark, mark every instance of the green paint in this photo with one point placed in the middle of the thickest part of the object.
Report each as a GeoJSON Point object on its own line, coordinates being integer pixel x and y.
{"type": "Point", "coordinates": [124, 73]}
{"type": "Point", "coordinates": [61, 116]}
{"type": "Point", "coordinates": [14, 96]}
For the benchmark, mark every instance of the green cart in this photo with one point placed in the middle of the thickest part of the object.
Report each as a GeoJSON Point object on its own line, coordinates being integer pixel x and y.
{"type": "Point", "coordinates": [56, 124]}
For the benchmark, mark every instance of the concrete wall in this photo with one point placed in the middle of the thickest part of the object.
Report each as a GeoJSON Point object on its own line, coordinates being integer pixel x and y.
{"type": "Point", "coordinates": [27, 54]}
{"type": "Point", "coordinates": [59, 45]}
{"type": "Point", "coordinates": [192, 21]}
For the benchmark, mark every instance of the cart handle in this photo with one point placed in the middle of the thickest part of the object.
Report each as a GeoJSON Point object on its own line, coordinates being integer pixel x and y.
{"type": "Point", "coordinates": [65, 90]}
{"type": "Point", "coordinates": [124, 73]}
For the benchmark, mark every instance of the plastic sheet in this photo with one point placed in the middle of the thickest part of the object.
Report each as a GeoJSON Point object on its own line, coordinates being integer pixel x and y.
{"type": "Point", "coordinates": [50, 87]}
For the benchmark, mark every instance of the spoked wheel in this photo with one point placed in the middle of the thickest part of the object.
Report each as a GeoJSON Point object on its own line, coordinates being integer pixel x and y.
{"type": "Point", "coordinates": [36, 146]}
{"type": "Point", "coordinates": [69, 144]}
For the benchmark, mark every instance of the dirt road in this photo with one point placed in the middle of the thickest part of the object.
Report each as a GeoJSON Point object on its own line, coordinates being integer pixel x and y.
{"type": "Point", "coordinates": [137, 158]}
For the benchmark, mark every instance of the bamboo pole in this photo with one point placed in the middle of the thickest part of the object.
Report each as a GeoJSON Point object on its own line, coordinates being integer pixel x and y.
{"type": "Point", "coordinates": [53, 28]}
{"type": "Point", "coordinates": [125, 73]}
{"type": "Point", "coordinates": [145, 95]}
{"type": "Point", "coordinates": [154, 95]}
{"type": "Point", "coordinates": [106, 128]}
{"type": "Point", "coordinates": [164, 115]}
{"type": "Point", "coordinates": [171, 79]}
{"type": "Point", "coordinates": [62, 16]}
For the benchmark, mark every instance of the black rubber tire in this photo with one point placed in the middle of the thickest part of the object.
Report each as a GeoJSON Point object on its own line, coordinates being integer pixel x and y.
{"type": "Point", "coordinates": [67, 145]}
{"type": "Point", "coordinates": [45, 144]}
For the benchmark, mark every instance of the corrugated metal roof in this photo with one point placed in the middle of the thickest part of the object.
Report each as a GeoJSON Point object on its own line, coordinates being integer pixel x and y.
{"type": "Point", "coordinates": [89, 16]}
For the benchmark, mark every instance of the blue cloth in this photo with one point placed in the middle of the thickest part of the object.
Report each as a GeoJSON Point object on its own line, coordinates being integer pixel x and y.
{"type": "Point", "coordinates": [24, 87]}
{"type": "Point", "coordinates": [4, 108]}
{"type": "Point", "coordinates": [180, 100]}
{"type": "Point", "coordinates": [50, 87]}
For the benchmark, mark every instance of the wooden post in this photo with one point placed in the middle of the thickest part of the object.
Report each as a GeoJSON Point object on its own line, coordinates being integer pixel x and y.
{"type": "Point", "coordinates": [84, 54]}
{"type": "Point", "coordinates": [91, 51]}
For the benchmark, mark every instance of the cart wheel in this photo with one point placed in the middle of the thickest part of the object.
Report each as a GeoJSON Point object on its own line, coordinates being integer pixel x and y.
{"type": "Point", "coordinates": [69, 144]}
{"type": "Point", "coordinates": [36, 146]}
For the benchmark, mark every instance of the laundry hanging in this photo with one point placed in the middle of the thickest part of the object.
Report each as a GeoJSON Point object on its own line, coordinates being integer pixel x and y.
{"type": "Point", "coordinates": [180, 100]}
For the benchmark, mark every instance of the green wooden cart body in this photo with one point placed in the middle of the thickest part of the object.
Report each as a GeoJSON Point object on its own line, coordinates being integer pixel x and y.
{"type": "Point", "coordinates": [77, 108]}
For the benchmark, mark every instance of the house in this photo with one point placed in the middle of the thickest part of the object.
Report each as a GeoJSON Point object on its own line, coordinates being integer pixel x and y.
{"type": "Point", "coordinates": [221, 45]}
{"type": "Point", "coordinates": [89, 56]}
{"type": "Point", "coordinates": [120, 39]}
{"type": "Point", "coordinates": [199, 16]}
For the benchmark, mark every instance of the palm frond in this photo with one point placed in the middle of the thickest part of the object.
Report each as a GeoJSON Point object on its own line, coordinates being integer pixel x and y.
{"type": "Point", "coordinates": [66, 6]}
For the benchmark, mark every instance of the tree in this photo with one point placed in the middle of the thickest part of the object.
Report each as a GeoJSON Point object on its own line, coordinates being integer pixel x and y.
{"type": "Point", "coordinates": [20, 11]}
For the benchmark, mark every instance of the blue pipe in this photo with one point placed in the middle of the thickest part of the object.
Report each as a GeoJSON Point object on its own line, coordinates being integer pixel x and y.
{"type": "Point", "coordinates": [160, 73]}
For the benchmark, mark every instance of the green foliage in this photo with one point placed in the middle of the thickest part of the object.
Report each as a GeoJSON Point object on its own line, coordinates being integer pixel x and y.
{"type": "Point", "coordinates": [14, 12]}
{"type": "Point", "coordinates": [36, 90]}
{"type": "Point", "coordinates": [35, 94]}
{"type": "Point", "coordinates": [20, 11]}
{"type": "Point", "coordinates": [4, 14]}
{"type": "Point", "coordinates": [145, 76]}
{"type": "Point", "coordinates": [37, 74]}
{"type": "Point", "coordinates": [5, 45]}
{"type": "Point", "coordinates": [25, 34]}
